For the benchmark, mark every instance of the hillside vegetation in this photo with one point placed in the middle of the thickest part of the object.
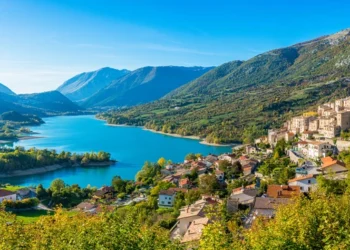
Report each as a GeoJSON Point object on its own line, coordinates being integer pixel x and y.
{"type": "Point", "coordinates": [239, 100]}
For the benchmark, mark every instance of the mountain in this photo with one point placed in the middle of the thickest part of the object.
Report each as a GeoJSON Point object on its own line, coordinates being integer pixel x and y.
{"type": "Point", "coordinates": [239, 100]}
{"type": "Point", "coordinates": [6, 90]}
{"type": "Point", "coordinates": [84, 85]}
{"type": "Point", "coordinates": [144, 85]}
{"type": "Point", "coordinates": [42, 104]}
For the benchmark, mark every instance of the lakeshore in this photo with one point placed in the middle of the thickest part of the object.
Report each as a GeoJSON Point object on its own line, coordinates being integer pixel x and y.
{"type": "Point", "coordinates": [46, 169]}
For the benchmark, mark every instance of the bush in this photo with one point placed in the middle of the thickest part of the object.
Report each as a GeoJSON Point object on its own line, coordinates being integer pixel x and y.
{"type": "Point", "coordinates": [20, 204]}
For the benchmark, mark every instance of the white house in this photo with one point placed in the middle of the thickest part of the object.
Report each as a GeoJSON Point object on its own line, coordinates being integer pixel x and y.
{"type": "Point", "coordinates": [166, 198]}
{"type": "Point", "coordinates": [318, 149]}
{"type": "Point", "coordinates": [7, 195]}
{"type": "Point", "coordinates": [306, 183]}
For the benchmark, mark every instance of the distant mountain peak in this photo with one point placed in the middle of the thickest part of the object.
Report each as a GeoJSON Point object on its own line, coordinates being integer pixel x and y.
{"type": "Point", "coordinates": [84, 85]}
{"type": "Point", "coordinates": [144, 85]}
{"type": "Point", "coordinates": [6, 90]}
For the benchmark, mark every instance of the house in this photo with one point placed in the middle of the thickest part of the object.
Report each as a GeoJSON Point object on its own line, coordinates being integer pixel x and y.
{"type": "Point", "coordinates": [194, 231]}
{"type": "Point", "coordinates": [231, 158]}
{"type": "Point", "coordinates": [262, 139]}
{"type": "Point", "coordinates": [211, 158]}
{"type": "Point", "coordinates": [185, 183]}
{"type": "Point", "coordinates": [26, 193]}
{"type": "Point", "coordinates": [302, 146]}
{"type": "Point", "coordinates": [306, 182]}
{"type": "Point", "coordinates": [104, 193]}
{"type": "Point", "coordinates": [244, 196]}
{"type": "Point", "coordinates": [220, 175]}
{"type": "Point", "coordinates": [201, 171]}
{"type": "Point", "coordinates": [189, 214]}
{"type": "Point", "coordinates": [282, 191]}
{"type": "Point", "coordinates": [267, 206]}
{"type": "Point", "coordinates": [307, 135]}
{"type": "Point", "coordinates": [332, 165]}
{"type": "Point", "coordinates": [250, 149]}
{"type": "Point", "coordinates": [317, 149]}
{"type": "Point", "coordinates": [173, 179]}
{"type": "Point", "coordinates": [7, 195]}
{"type": "Point", "coordinates": [86, 207]}
{"type": "Point", "coordinates": [166, 198]}
{"type": "Point", "coordinates": [247, 170]}
{"type": "Point", "coordinates": [169, 167]}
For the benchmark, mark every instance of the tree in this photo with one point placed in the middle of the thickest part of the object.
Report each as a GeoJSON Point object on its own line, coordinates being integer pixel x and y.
{"type": "Point", "coordinates": [208, 184]}
{"type": "Point", "coordinates": [119, 184]}
{"type": "Point", "coordinates": [162, 162]}
{"type": "Point", "coordinates": [41, 192]}
{"type": "Point", "coordinates": [57, 185]}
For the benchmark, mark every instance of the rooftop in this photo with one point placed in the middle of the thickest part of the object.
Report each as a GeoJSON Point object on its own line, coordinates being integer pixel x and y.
{"type": "Point", "coordinates": [194, 231]}
{"type": "Point", "coordinates": [269, 203]}
{"type": "Point", "coordinates": [4, 193]}
{"type": "Point", "coordinates": [329, 161]}
{"type": "Point", "coordinates": [195, 209]}
{"type": "Point", "coordinates": [282, 191]}
{"type": "Point", "coordinates": [169, 192]}
{"type": "Point", "coordinates": [300, 178]}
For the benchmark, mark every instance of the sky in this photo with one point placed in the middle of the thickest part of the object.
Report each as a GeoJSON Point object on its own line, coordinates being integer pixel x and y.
{"type": "Point", "coordinates": [45, 42]}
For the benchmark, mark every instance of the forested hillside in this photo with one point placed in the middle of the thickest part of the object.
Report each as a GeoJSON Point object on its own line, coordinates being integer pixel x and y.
{"type": "Point", "coordinates": [239, 100]}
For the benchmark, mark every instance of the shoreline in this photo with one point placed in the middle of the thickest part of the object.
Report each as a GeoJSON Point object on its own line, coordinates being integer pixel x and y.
{"type": "Point", "coordinates": [192, 137]}
{"type": "Point", "coordinates": [46, 169]}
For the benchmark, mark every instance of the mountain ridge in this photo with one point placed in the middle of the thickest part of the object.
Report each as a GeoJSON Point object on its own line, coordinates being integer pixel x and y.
{"type": "Point", "coordinates": [6, 90]}
{"type": "Point", "coordinates": [238, 99]}
{"type": "Point", "coordinates": [84, 85]}
{"type": "Point", "coordinates": [144, 85]}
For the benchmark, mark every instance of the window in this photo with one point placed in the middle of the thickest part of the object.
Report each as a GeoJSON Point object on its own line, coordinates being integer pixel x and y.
{"type": "Point", "coordinates": [165, 198]}
{"type": "Point", "coordinates": [309, 181]}
{"type": "Point", "coordinates": [162, 202]}
{"type": "Point", "coordinates": [301, 188]}
{"type": "Point", "coordinates": [169, 203]}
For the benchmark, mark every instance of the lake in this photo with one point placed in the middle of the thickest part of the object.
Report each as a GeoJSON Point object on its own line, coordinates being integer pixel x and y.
{"type": "Point", "coordinates": [130, 146]}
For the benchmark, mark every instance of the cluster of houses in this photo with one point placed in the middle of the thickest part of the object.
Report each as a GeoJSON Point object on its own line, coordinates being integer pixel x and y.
{"type": "Point", "coordinates": [329, 120]}
{"type": "Point", "coordinates": [192, 218]}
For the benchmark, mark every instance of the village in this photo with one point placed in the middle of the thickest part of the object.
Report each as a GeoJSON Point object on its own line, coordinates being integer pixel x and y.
{"type": "Point", "coordinates": [252, 180]}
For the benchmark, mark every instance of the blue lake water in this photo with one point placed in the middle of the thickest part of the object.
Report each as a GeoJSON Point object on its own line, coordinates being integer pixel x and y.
{"type": "Point", "coordinates": [130, 146]}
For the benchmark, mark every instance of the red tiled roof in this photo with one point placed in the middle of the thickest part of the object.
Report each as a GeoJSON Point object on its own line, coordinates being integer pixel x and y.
{"type": "Point", "coordinates": [282, 191]}
{"type": "Point", "coordinates": [329, 161]}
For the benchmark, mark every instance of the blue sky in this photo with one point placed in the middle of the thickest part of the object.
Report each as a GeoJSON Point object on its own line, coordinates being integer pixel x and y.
{"type": "Point", "coordinates": [45, 42]}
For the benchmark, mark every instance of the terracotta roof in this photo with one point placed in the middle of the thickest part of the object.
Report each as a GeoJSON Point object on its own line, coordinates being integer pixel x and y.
{"type": "Point", "coordinates": [329, 161]}
{"type": "Point", "coordinates": [269, 203]}
{"type": "Point", "coordinates": [304, 177]}
{"type": "Point", "coordinates": [185, 181]}
{"type": "Point", "coordinates": [317, 143]}
{"type": "Point", "coordinates": [167, 192]}
{"type": "Point", "coordinates": [282, 191]}
{"type": "Point", "coordinates": [4, 192]}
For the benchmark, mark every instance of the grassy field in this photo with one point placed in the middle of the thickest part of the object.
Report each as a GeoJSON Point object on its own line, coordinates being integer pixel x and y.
{"type": "Point", "coordinates": [31, 215]}
{"type": "Point", "coordinates": [12, 188]}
